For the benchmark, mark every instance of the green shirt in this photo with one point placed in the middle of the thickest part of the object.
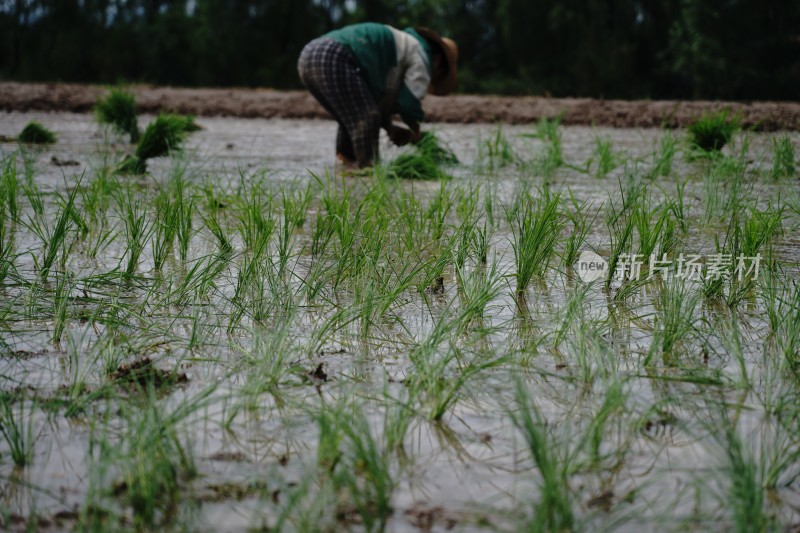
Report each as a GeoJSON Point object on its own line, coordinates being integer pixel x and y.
{"type": "Point", "coordinates": [395, 64]}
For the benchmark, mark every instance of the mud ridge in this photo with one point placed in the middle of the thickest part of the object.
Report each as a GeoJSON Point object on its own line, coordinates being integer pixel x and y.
{"type": "Point", "coordinates": [464, 109]}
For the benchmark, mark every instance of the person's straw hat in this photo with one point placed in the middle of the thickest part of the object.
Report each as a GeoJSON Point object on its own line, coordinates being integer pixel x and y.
{"type": "Point", "coordinates": [447, 83]}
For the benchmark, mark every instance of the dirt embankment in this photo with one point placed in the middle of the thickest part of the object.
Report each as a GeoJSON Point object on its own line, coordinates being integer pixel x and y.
{"type": "Point", "coordinates": [267, 103]}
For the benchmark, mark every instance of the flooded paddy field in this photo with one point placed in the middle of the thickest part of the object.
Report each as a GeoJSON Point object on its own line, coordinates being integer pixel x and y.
{"type": "Point", "coordinates": [583, 329]}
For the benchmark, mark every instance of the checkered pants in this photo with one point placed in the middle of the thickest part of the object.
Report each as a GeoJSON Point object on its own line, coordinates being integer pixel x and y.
{"type": "Point", "coordinates": [330, 73]}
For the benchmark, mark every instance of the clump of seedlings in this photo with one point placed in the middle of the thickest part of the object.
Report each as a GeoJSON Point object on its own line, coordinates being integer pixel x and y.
{"type": "Point", "coordinates": [425, 162]}
{"type": "Point", "coordinates": [118, 110]}
{"type": "Point", "coordinates": [415, 166]}
{"type": "Point", "coordinates": [605, 158]}
{"type": "Point", "coordinates": [782, 158]}
{"type": "Point", "coordinates": [498, 150]}
{"type": "Point", "coordinates": [536, 228]}
{"type": "Point", "coordinates": [35, 133]}
{"type": "Point", "coordinates": [711, 132]}
{"type": "Point", "coordinates": [165, 134]}
{"type": "Point", "coordinates": [430, 146]}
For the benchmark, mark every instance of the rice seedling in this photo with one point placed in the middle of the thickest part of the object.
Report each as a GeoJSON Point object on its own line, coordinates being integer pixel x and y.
{"type": "Point", "coordinates": [118, 110]}
{"type": "Point", "coordinates": [477, 289]}
{"type": "Point", "coordinates": [436, 387]}
{"type": "Point", "coordinates": [151, 459]}
{"type": "Point", "coordinates": [655, 228]}
{"type": "Point", "coordinates": [548, 130]}
{"type": "Point", "coordinates": [356, 465]}
{"type": "Point", "coordinates": [621, 222]}
{"type": "Point", "coordinates": [203, 276]}
{"type": "Point", "coordinates": [9, 189]}
{"type": "Point", "coordinates": [782, 158]}
{"type": "Point", "coordinates": [498, 150]}
{"type": "Point", "coordinates": [224, 245]}
{"type": "Point", "coordinates": [732, 341]}
{"type": "Point", "coordinates": [256, 222]}
{"type": "Point", "coordinates": [785, 321]}
{"type": "Point", "coordinates": [436, 215]}
{"type": "Point", "coordinates": [480, 243]}
{"type": "Point", "coordinates": [554, 510]}
{"type": "Point", "coordinates": [35, 133]}
{"type": "Point", "coordinates": [96, 197]}
{"type": "Point", "coordinates": [678, 205]}
{"type": "Point", "coordinates": [164, 228]}
{"type": "Point", "coordinates": [54, 239]}
{"type": "Point", "coordinates": [18, 429]}
{"type": "Point", "coordinates": [269, 360]}
{"type": "Point", "coordinates": [285, 244]}
{"type": "Point", "coordinates": [733, 270]}
{"type": "Point", "coordinates": [138, 227]}
{"type": "Point", "coordinates": [64, 284]}
{"type": "Point", "coordinates": [579, 225]}
{"type": "Point", "coordinates": [613, 404]}
{"type": "Point", "coordinates": [466, 200]}
{"type": "Point", "coordinates": [724, 187]}
{"type": "Point", "coordinates": [6, 249]}
{"type": "Point", "coordinates": [571, 311]}
{"type": "Point", "coordinates": [537, 227]}
{"type": "Point", "coordinates": [674, 322]}
{"type": "Point", "coordinates": [398, 416]}
{"type": "Point", "coordinates": [460, 245]}
{"type": "Point", "coordinates": [183, 213]}
{"type": "Point", "coordinates": [295, 206]}
{"type": "Point", "coordinates": [307, 507]}
{"type": "Point", "coordinates": [604, 156]}
{"type": "Point", "coordinates": [434, 382]}
{"type": "Point", "coordinates": [712, 131]}
{"type": "Point", "coordinates": [664, 157]}
{"type": "Point", "coordinates": [758, 228]}
{"type": "Point", "coordinates": [745, 490]}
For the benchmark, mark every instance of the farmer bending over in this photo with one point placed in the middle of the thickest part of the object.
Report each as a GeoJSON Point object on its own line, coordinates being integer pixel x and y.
{"type": "Point", "coordinates": [364, 73]}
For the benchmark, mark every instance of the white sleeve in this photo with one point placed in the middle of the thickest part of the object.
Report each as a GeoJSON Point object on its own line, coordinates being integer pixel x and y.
{"type": "Point", "coordinates": [412, 63]}
{"type": "Point", "coordinates": [417, 77]}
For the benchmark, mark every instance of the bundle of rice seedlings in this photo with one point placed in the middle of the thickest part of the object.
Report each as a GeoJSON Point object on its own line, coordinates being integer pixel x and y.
{"type": "Point", "coordinates": [415, 166]}
{"type": "Point", "coordinates": [713, 131]}
{"type": "Point", "coordinates": [164, 134]}
{"type": "Point", "coordinates": [132, 165]}
{"type": "Point", "coordinates": [430, 147]}
{"type": "Point", "coordinates": [189, 124]}
{"type": "Point", "coordinates": [35, 133]}
{"type": "Point", "coordinates": [118, 110]}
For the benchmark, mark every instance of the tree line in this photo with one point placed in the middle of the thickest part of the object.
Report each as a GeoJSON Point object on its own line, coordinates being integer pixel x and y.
{"type": "Point", "coordinates": [716, 49]}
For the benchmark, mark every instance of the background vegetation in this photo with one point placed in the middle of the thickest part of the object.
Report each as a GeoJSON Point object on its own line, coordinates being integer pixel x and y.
{"type": "Point", "coordinates": [734, 49]}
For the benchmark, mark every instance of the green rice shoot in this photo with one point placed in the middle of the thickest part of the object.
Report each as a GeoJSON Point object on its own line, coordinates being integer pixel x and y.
{"type": "Point", "coordinates": [713, 131]}
{"type": "Point", "coordinates": [118, 110]}
{"type": "Point", "coordinates": [35, 133]}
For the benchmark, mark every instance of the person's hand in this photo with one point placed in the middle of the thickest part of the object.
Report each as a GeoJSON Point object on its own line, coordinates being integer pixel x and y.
{"type": "Point", "coordinates": [400, 136]}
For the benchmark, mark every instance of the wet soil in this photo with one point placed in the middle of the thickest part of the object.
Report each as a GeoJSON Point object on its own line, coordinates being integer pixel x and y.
{"type": "Point", "coordinates": [461, 108]}
{"type": "Point", "coordinates": [143, 372]}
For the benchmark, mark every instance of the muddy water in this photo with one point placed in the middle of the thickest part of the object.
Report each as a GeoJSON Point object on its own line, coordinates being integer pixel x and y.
{"type": "Point", "coordinates": [471, 468]}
